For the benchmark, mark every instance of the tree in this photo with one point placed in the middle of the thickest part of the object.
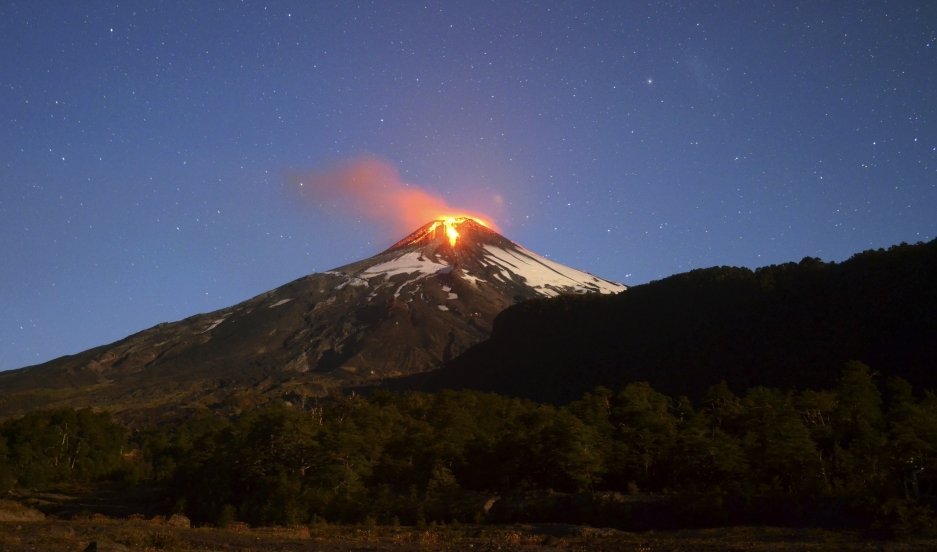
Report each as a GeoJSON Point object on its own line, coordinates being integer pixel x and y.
{"type": "Point", "coordinates": [857, 428]}
{"type": "Point", "coordinates": [704, 458]}
{"type": "Point", "coordinates": [722, 408]}
{"type": "Point", "coordinates": [64, 445]}
{"type": "Point", "coordinates": [816, 409]}
{"type": "Point", "coordinates": [571, 453]}
{"type": "Point", "coordinates": [780, 452]}
{"type": "Point", "coordinates": [912, 432]}
{"type": "Point", "coordinates": [644, 428]}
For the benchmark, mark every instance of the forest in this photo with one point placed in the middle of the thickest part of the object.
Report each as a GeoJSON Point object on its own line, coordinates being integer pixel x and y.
{"type": "Point", "coordinates": [790, 326]}
{"type": "Point", "coordinates": [861, 454]}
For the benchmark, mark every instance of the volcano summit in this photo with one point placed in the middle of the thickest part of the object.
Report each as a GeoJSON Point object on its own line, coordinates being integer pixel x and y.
{"type": "Point", "coordinates": [408, 309]}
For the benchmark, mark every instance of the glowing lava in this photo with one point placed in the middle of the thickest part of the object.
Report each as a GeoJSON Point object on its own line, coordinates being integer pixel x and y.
{"type": "Point", "coordinates": [450, 224]}
{"type": "Point", "coordinates": [447, 226]}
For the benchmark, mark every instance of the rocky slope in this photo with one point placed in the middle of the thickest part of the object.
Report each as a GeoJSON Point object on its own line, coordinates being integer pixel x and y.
{"type": "Point", "coordinates": [406, 310]}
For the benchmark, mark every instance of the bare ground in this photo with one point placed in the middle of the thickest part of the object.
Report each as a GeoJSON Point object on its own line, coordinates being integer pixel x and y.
{"type": "Point", "coordinates": [76, 524]}
{"type": "Point", "coordinates": [113, 535]}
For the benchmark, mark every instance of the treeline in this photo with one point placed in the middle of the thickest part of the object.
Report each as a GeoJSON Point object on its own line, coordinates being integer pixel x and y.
{"type": "Point", "coordinates": [787, 326]}
{"type": "Point", "coordinates": [851, 456]}
{"type": "Point", "coordinates": [47, 448]}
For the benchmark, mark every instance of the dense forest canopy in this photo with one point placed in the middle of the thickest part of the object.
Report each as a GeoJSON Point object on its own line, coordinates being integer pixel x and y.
{"type": "Point", "coordinates": [860, 453]}
{"type": "Point", "coordinates": [716, 397]}
{"type": "Point", "coordinates": [788, 326]}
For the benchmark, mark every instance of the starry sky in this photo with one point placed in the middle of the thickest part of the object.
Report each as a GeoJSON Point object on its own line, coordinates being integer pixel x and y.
{"type": "Point", "coordinates": [149, 150]}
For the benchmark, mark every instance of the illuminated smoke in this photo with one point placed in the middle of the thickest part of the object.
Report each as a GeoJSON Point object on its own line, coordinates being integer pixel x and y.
{"type": "Point", "coordinates": [371, 188]}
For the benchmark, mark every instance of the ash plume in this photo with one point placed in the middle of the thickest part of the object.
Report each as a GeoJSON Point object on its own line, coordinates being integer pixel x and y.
{"type": "Point", "coordinates": [373, 189]}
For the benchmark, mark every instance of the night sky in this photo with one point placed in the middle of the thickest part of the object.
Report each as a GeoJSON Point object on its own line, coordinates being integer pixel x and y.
{"type": "Point", "coordinates": [150, 151]}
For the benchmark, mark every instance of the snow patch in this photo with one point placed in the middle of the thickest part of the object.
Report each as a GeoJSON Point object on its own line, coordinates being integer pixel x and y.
{"type": "Point", "coordinates": [408, 282]}
{"type": "Point", "coordinates": [280, 302]}
{"type": "Point", "coordinates": [452, 296]}
{"type": "Point", "coordinates": [408, 263]}
{"type": "Point", "coordinates": [545, 276]}
{"type": "Point", "coordinates": [215, 324]}
{"type": "Point", "coordinates": [354, 281]}
{"type": "Point", "coordinates": [442, 307]}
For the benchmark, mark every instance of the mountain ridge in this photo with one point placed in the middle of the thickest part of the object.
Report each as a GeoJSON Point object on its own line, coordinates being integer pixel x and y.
{"type": "Point", "coordinates": [790, 326]}
{"type": "Point", "coordinates": [405, 310]}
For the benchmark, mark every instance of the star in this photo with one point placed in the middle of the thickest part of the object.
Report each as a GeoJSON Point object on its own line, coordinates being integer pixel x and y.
{"type": "Point", "coordinates": [559, 114]}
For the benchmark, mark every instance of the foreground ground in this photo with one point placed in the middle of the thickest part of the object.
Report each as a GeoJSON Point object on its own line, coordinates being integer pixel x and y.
{"type": "Point", "coordinates": [138, 535]}
{"type": "Point", "coordinates": [23, 527]}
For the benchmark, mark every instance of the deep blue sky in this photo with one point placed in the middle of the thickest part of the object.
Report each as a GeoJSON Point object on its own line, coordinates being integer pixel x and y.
{"type": "Point", "coordinates": [146, 148]}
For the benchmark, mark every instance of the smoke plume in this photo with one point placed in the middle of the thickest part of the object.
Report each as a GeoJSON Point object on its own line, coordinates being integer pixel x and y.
{"type": "Point", "coordinates": [372, 188]}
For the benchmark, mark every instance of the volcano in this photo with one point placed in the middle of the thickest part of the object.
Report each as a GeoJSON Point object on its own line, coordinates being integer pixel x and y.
{"type": "Point", "coordinates": [406, 310]}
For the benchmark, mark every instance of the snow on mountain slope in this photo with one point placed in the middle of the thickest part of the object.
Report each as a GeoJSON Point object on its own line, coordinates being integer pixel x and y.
{"type": "Point", "coordinates": [408, 263]}
{"type": "Point", "coordinates": [482, 256]}
{"type": "Point", "coordinates": [549, 278]}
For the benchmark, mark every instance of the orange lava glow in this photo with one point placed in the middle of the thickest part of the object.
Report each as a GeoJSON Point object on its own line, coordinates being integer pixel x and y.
{"type": "Point", "coordinates": [451, 232]}
{"type": "Point", "coordinates": [450, 225]}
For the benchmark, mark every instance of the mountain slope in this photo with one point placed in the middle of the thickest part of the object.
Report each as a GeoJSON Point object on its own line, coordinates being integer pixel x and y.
{"type": "Point", "coordinates": [790, 326]}
{"type": "Point", "coordinates": [408, 309]}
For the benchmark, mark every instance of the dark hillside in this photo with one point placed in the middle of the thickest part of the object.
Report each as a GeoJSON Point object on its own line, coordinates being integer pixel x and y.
{"type": "Point", "coordinates": [791, 326]}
